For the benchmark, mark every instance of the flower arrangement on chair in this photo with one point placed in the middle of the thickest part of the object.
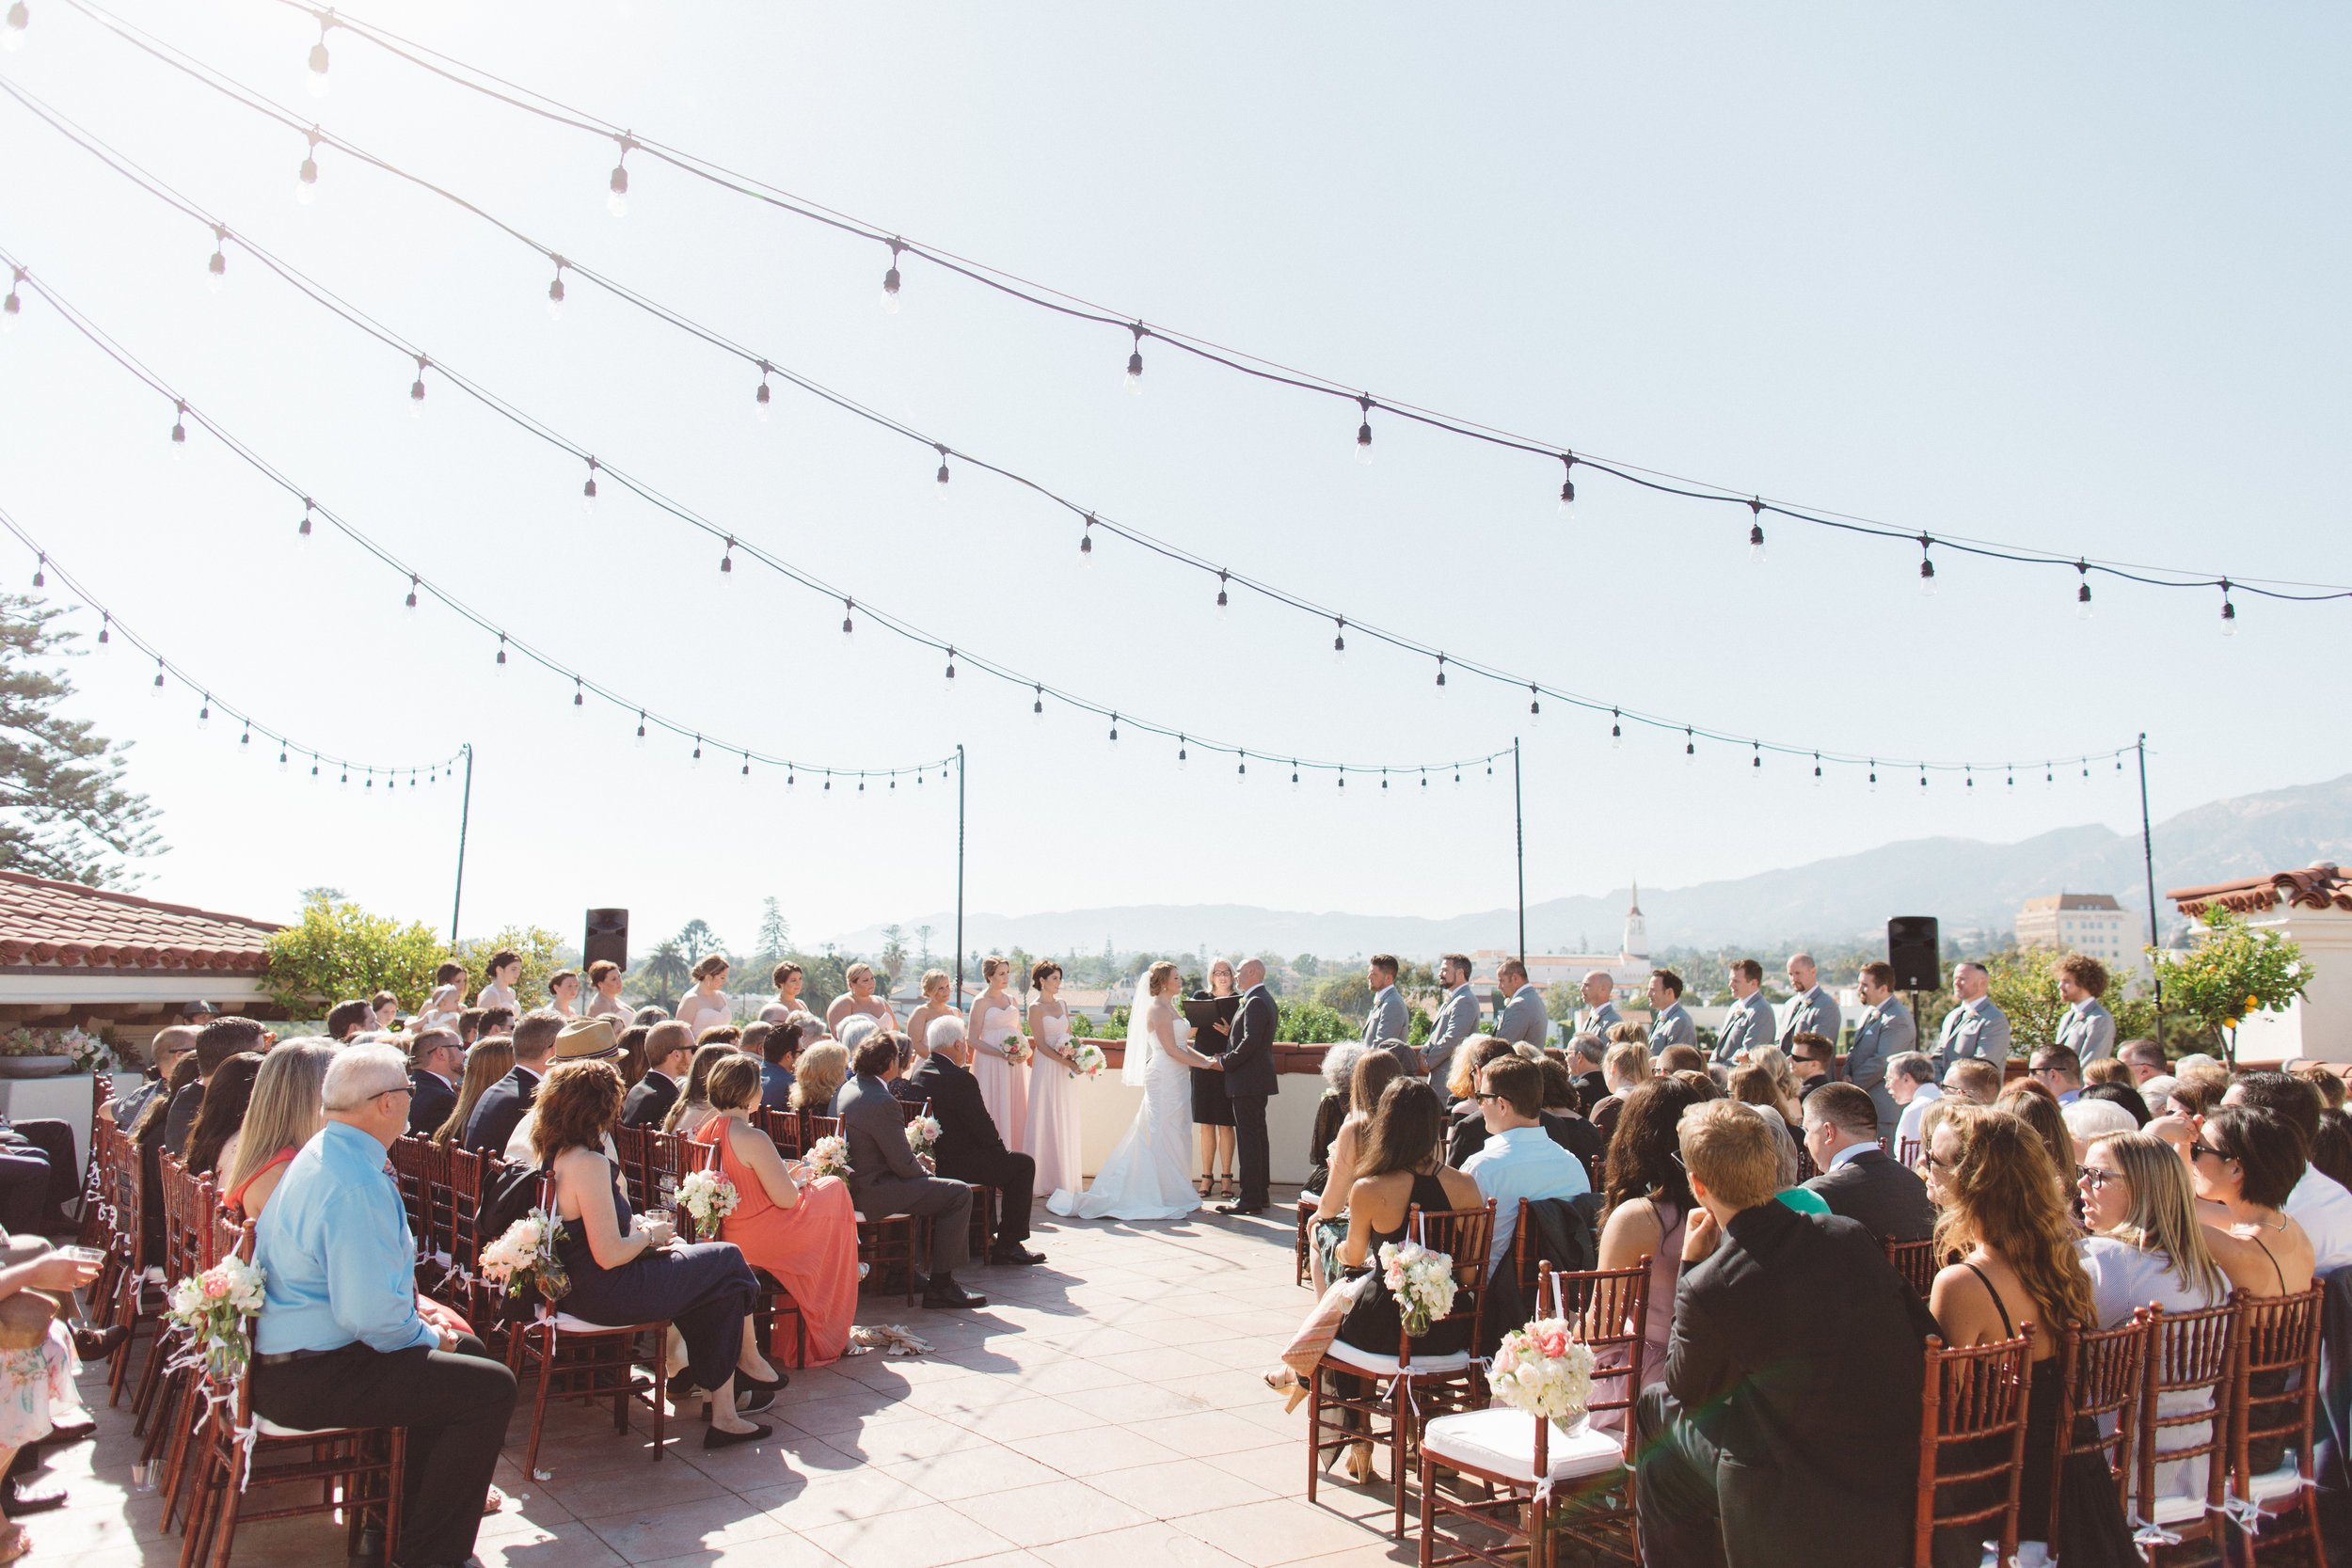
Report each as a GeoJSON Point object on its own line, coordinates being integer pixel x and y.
{"type": "Point", "coordinates": [1421, 1281]}
{"type": "Point", "coordinates": [1545, 1370]}
{"type": "Point", "coordinates": [523, 1259]}
{"type": "Point", "coordinates": [215, 1309]}
{"type": "Point", "coordinates": [923, 1135]}
{"type": "Point", "coordinates": [830, 1156]}
{"type": "Point", "coordinates": [709, 1197]}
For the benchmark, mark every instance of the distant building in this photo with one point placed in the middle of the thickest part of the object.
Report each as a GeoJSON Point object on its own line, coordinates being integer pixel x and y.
{"type": "Point", "coordinates": [2311, 908]}
{"type": "Point", "coordinates": [2091, 924]}
{"type": "Point", "coordinates": [1629, 967]}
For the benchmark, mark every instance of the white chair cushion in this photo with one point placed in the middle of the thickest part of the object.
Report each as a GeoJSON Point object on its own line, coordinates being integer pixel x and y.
{"type": "Point", "coordinates": [1501, 1442]}
{"type": "Point", "coordinates": [273, 1429]}
{"type": "Point", "coordinates": [1376, 1365]}
{"type": "Point", "coordinates": [566, 1324]}
{"type": "Point", "coordinates": [2172, 1508]}
{"type": "Point", "coordinates": [2274, 1484]}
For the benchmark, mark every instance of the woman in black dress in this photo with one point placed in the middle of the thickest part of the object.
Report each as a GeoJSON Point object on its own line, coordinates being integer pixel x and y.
{"type": "Point", "coordinates": [1212, 1107]}
{"type": "Point", "coordinates": [629, 1270]}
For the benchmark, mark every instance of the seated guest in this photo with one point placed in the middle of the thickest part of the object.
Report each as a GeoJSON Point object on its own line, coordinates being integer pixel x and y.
{"type": "Point", "coordinates": [2107, 1069]}
{"type": "Point", "coordinates": [38, 1397]}
{"type": "Point", "coordinates": [630, 1270]}
{"type": "Point", "coordinates": [2245, 1162]}
{"type": "Point", "coordinates": [970, 1149]}
{"type": "Point", "coordinates": [668, 1052]}
{"type": "Point", "coordinates": [1339, 1063]}
{"type": "Point", "coordinates": [604, 983]}
{"type": "Point", "coordinates": [824, 1067]}
{"type": "Point", "coordinates": [435, 1062]}
{"type": "Point", "coordinates": [498, 1020]}
{"type": "Point", "coordinates": [1911, 1080]}
{"type": "Point", "coordinates": [2088, 1118]}
{"type": "Point", "coordinates": [693, 1105]}
{"type": "Point", "coordinates": [1564, 1124]}
{"type": "Point", "coordinates": [216, 1043]}
{"type": "Point", "coordinates": [798, 1227]}
{"type": "Point", "coordinates": [901, 1091]}
{"type": "Point", "coordinates": [779, 1054]}
{"type": "Point", "coordinates": [1518, 1160]}
{"type": "Point", "coordinates": [1625, 1067]}
{"type": "Point", "coordinates": [1586, 1052]}
{"type": "Point", "coordinates": [2144, 1057]}
{"type": "Point", "coordinates": [1858, 1179]}
{"type": "Point", "coordinates": [1814, 1059]}
{"type": "Point", "coordinates": [631, 1061]}
{"type": "Point", "coordinates": [1974, 1079]}
{"type": "Point", "coordinates": [787, 979]}
{"type": "Point", "coordinates": [1374, 1071]}
{"type": "Point", "coordinates": [751, 1038]}
{"type": "Point", "coordinates": [1649, 1205]}
{"type": "Point", "coordinates": [2118, 1094]}
{"type": "Point", "coordinates": [338, 1342]}
{"type": "Point", "coordinates": [2031, 1102]}
{"type": "Point", "coordinates": [469, 1027]}
{"type": "Point", "coordinates": [348, 1018]}
{"type": "Point", "coordinates": [502, 1105]}
{"type": "Point", "coordinates": [721, 1034]}
{"type": "Point", "coordinates": [1753, 1087]}
{"type": "Point", "coordinates": [2060, 1071]}
{"type": "Point", "coordinates": [580, 1039]}
{"type": "Point", "coordinates": [2317, 1201]}
{"type": "Point", "coordinates": [289, 1100]}
{"type": "Point", "coordinates": [649, 1016]}
{"type": "Point", "coordinates": [1681, 1058]}
{"type": "Point", "coordinates": [486, 1062]}
{"type": "Point", "coordinates": [1465, 1132]}
{"type": "Point", "coordinates": [1789, 1413]}
{"type": "Point", "coordinates": [2146, 1245]}
{"type": "Point", "coordinates": [226, 1098]}
{"type": "Point", "coordinates": [163, 1053]}
{"type": "Point", "coordinates": [855, 1033]}
{"type": "Point", "coordinates": [2005, 1211]}
{"type": "Point", "coordinates": [888, 1178]}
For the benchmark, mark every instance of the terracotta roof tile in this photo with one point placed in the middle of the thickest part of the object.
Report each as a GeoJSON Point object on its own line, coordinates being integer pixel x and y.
{"type": "Point", "coordinates": [85, 927]}
{"type": "Point", "coordinates": [2319, 886]}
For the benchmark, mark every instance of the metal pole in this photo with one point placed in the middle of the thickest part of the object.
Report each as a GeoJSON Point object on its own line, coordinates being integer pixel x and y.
{"type": "Point", "coordinates": [1519, 823]}
{"type": "Point", "coordinates": [2148, 862]}
{"type": "Point", "coordinates": [959, 874]}
{"type": "Point", "coordinates": [465, 815]}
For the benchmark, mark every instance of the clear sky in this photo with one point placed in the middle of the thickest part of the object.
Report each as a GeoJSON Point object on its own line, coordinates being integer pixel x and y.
{"type": "Point", "coordinates": [2069, 278]}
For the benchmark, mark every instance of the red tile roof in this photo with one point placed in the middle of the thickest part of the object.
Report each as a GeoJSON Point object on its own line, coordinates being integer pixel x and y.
{"type": "Point", "coordinates": [2318, 886]}
{"type": "Point", "coordinates": [66, 923]}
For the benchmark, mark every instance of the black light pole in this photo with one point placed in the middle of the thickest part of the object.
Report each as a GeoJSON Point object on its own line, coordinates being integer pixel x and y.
{"type": "Point", "coordinates": [1519, 823]}
{"type": "Point", "coordinates": [465, 813]}
{"type": "Point", "coordinates": [959, 874]}
{"type": "Point", "coordinates": [2147, 863]}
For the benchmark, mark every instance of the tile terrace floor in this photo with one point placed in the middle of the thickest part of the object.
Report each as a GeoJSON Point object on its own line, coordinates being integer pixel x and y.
{"type": "Point", "coordinates": [1104, 1408]}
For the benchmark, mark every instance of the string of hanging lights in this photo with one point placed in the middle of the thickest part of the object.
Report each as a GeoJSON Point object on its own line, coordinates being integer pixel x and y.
{"type": "Point", "coordinates": [1060, 302]}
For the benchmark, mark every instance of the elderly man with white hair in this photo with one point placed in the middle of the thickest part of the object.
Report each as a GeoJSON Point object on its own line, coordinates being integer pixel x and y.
{"type": "Point", "coordinates": [340, 1342]}
{"type": "Point", "coordinates": [856, 1031]}
{"type": "Point", "coordinates": [970, 1149]}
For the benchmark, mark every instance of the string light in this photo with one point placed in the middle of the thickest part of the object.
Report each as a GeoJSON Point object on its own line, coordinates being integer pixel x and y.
{"type": "Point", "coordinates": [1927, 569]}
{"type": "Point", "coordinates": [12, 307]}
{"type": "Point", "coordinates": [315, 80]}
{"type": "Point", "coordinates": [641, 726]}
{"type": "Point", "coordinates": [1134, 362]}
{"type": "Point", "coordinates": [413, 580]}
{"type": "Point", "coordinates": [1363, 432]}
{"type": "Point", "coordinates": [106, 629]}
{"type": "Point", "coordinates": [40, 570]}
{"type": "Point", "coordinates": [1222, 578]}
{"type": "Point", "coordinates": [890, 281]}
{"type": "Point", "coordinates": [1441, 672]}
{"type": "Point", "coordinates": [1086, 541]}
{"type": "Point", "coordinates": [849, 613]}
{"type": "Point", "coordinates": [1689, 747]}
{"type": "Point", "coordinates": [1339, 643]}
{"type": "Point", "coordinates": [579, 696]}
{"type": "Point", "coordinates": [180, 423]}
{"type": "Point", "coordinates": [1567, 483]}
{"type": "Point", "coordinates": [1114, 729]}
{"type": "Point", "coordinates": [588, 491]}
{"type": "Point", "coordinates": [1182, 755]}
{"type": "Point", "coordinates": [1817, 769]}
{"type": "Point", "coordinates": [555, 292]}
{"type": "Point", "coordinates": [1616, 731]}
{"type": "Point", "coordinates": [1534, 706]}
{"type": "Point", "coordinates": [303, 531]}
{"type": "Point", "coordinates": [726, 561]}
{"type": "Point", "coordinates": [616, 188]}
{"type": "Point", "coordinates": [216, 268]}
{"type": "Point", "coordinates": [205, 714]}
{"type": "Point", "coordinates": [759, 398]}
{"type": "Point", "coordinates": [941, 447]}
{"type": "Point", "coordinates": [2082, 592]}
{"type": "Point", "coordinates": [1037, 705]}
{"type": "Point", "coordinates": [951, 664]}
{"type": "Point", "coordinates": [2228, 612]}
{"type": "Point", "coordinates": [698, 748]}
{"type": "Point", "coordinates": [12, 36]}
{"type": "Point", "coordinates": [1755, 529]}
{"type": "Point", "coordinates": [502, 664]}
{"type": "Point", "coordinates": [416, 388]}
{"type": "Point", "coordinates": [307, 176]}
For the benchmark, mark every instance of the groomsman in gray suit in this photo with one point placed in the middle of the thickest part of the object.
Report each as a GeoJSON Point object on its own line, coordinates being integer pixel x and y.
{"type": "Point", "coordinates": [1600, 1011]}
{"type": "Point", "coordinates": [1669, 1023]}
{"type": "Point", "coordinates": [1812, 1011]}
{"type": "Point", "coordinates": [1522, 1020]}
{"type": "Point", "coordinates": [1976, 1027]}
{"type": "Point", "coordinates": [1882, 1033]}
{"type": "Point", "coordinates": [2087, 1029]}
{"type": "Point", "coordinates": [1386, 1025]}
{"type": "Point", "coordinates": [1750, 1023]}
{"type": "Point", "coordinates": [1456, 1021]}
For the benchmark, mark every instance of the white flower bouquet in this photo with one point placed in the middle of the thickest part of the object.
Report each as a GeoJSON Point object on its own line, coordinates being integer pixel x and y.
{"type": "Point", "coordinates": [1087, 1059]}
{"type": "Point", "coordinates": [923, 1135]}
{"type": "Point", "coordinates": [1545, 1370]}
{"type": "Point", "coordinates": [830, 1156]}
{"type": "Point", "coordinates": [524, 1258]}
{"type": "Point", "coordinates": [217, 1307]}
{"type": "Point", "coordinates": [1421, 1280]}
{"type": "Point", "coordinates": [709, 1197]}
{"type": "Point", "coordinates": [1016, 1049]}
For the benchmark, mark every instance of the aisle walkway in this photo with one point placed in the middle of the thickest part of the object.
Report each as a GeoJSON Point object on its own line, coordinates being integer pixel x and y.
{"type": "Point", "coordinates": [1103, 1409]}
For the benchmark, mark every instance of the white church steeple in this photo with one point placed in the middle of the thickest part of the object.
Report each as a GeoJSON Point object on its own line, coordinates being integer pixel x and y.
{"type": "Point", "coordinates": [1636, 931]}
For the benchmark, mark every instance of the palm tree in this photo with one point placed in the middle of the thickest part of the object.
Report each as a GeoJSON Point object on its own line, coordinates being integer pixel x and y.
{"type": "Point", "coordinates": [667, 972]}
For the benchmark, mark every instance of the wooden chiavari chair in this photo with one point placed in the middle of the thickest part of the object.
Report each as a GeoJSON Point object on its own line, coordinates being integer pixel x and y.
{"type": "Point", "coordinates": [1972, 1444]}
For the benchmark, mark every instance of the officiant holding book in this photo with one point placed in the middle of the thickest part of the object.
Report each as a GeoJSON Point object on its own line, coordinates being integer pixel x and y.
{"type": "Point", "coordinates": [1211, 1015]}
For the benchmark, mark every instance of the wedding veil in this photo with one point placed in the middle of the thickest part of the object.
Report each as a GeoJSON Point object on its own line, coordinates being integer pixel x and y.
{"type": "Point", "coordinates": [1141, 1047]}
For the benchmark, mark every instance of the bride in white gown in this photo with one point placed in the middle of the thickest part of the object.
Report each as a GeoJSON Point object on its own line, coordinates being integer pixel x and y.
{"type": "Point", "coordinates": [1149, 1176]}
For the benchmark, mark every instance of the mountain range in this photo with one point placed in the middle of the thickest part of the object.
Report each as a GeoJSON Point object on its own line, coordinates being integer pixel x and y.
{"type": "Point", "coordinates": [1968, 885]}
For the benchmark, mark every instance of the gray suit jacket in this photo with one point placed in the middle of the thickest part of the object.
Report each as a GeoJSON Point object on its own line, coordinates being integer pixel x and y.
{"type": "Point", "coordinates": [1598, 1019]}
{"type": "Point", "coordinates": [1672, 1027]}
{"type": "Point", "coordinates": [1387, 1019]}
{"type": "Point", "coordinates": [2088, 1030]}
{"type": "Point", "coordinates": [1973, 1029]}
{"type": "Point", "coordinates": [1456, 1020]}
{"type": "Point", "coordinates": [1747, 1026]}
{"type": "Point", "coordinates": [876, 1131]}
{"type": "Point", "coordinates": [1815, 1012]}
{"type": "Point", "coordinates": [1882, 1034]}
{"type": "Point", "coordinates": [1523, 1021]}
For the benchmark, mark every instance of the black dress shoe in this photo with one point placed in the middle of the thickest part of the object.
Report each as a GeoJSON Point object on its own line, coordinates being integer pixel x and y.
{"type": "Point", "coordinates": [944, 1292]}
{"type": "Point", "coordinates": [714, 1438]}
{"type": "Point", "coordinates": [1243, 1208]}
{"type": "Point", "coordinates": [97, 1344]}
{"type": "Point", "coordinates": [1013, 1252]}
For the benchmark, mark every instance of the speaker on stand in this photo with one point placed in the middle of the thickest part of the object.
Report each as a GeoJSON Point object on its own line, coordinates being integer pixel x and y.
{"type": "Point", "coordinates": [1915, 953]}
{"type": "Point", "coordinates": [607, 938]}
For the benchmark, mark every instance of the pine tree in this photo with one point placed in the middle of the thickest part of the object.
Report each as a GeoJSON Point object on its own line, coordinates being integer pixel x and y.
{"type": "Point", "coordinates": [64, 813]}
{"type": "Point", "coordinates": [776, 932]}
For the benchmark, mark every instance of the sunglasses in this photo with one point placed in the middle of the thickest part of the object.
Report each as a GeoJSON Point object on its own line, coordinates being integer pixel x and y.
{"type": "Point", "coordinates": [2198, 1146]}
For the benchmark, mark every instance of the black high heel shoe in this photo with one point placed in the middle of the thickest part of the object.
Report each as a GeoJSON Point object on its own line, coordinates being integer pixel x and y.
{"type": "Point", "coordinates": [714, 1438]}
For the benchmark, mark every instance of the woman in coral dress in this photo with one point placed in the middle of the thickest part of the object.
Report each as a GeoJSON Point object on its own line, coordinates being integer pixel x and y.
{"type": "Point", "coordinates": [798, 1230]}
{"type": "Point", "coordinates": [1004, 1084]}
{"type": "Point", "coordinates": [1052, 1125]}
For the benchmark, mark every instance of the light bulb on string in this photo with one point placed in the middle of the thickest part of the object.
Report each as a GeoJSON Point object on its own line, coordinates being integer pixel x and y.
{"type": "Point", "coordinates": [1364, 432]}
{"type": "Point", "coordinates": [2228, 612]}
{"type": "Point", "coordinates": [1442, 675]}
{"type": "Point", "coordinates": [315, 82]}
{"type": "Point", "coordinates": [747, 764]}
{"type": "Point", "coordinates": [1182, 755]}
{"type": "Point", "coordinates": [759, 398]}
{"type": "Point", "coordinates": [1086, 541]}
{"type": "Point", "coordinates": [1293, 772]}
{"type": "Point", "coordinates": [502, 663]}
{"type": "Point", "coordinates": [105, 628]}
{"type": "Point", "coordinates": [343, 774]}
{"type": "Point", "coordinates": [1222, 578]}
{"type": "Point", "coordinates": [1114, 729]}
{"type": "Point", "coordinates": [370, 782]}
{"type": "Point", "coordinates": [726, 560]}
{"type": "Point", "coordinates": [179, 426]}
{"type": "Point", "coordinates": [307, 176]}
{"type": "Point", "coordinates": [698, 750]}
{"type": "Point", "coordinates": [1817, 769]}
{"type": "Point", "coordinates": [303, 530]}
{"type": "Point", "coordinates": [849, 614]}
{"type": "Point", "coordinates": [1756, 531]}
{"type": "Point", "coordinates": [1535, 705]}
{"type": "Point", "coordinates": [941, 447]}
{"type": "Point", "coordinates": [12, 36]}
{"type": "Point", "coordinates": [555, 290]}
{"type": "Point", "coordinates": [1927, 569]}
{"type": "Point", "coordinates": [1874, 775]}
{"type": "Point", "coordinates": [1617, 730]}
{"type": "Point", "coordinates": [1339, 643]}
{"type": "Point", "coordinates": [1134, 362]}
{"type": "Point", "coordinates": [579, 698]}
{"type": "Point", "coordinates": [616, 188]}
{"type": "Point", "coordinates": [1342, 776]}
{"type": "Point", "coordinates": [1968, 780]}
{"type": "Point", "coordinates": [951, 664]}
{"type": "Point", "coordinates": [281, 759]}
{"type": "Point", "coordinates": [1036, 702]}
{"type": "Point", "coordinates": [2049, 776]}
{"type": "Point", "coordinates": [1689, 747]}
{"type": "Point", "coordinates": [1923, 776]}
{"type": "Point", "coordinates": [890, 280]}
{"type": "Point", "coordinates": [588, 491]}
{"type": "Point", "coordinates": [416, 390]}
{"type": "Point", "coordinates": [246, 738]}
{"type": "Point", "coordinates": [1567, 484]}
{"type": "Point", "coordinates": [412, 589]}
{"type": "Point", "coordinates": [1755, 762]}
{"type": "Point", "coordinates": [217, 267]}
{"type": "Point", "coordinates": [41, 574]}
{"type": "Point", "coordinates": [2082, 592]}
{"type": "Point", "coordinates": [641, 726]}
{"type": "Point", "coordinates": [159, 674]}
{"type": "Point", "coordinates": [205, 714]}
{"type": "Point", "coordinates": [314, 764]}
{"type": "Point", "coordinates": [1241, 768]}
{"type": "Point", "coordinates": [13, 307]}
{"type": "Point", "coordinates": [1384, 778]}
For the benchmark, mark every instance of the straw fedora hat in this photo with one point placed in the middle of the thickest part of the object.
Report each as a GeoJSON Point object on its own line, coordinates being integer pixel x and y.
{"type": "Point", "coordinates": [586, 1039]}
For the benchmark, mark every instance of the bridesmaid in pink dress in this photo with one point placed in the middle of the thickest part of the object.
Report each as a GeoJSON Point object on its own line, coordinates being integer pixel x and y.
{"type": "Point", "coordinates": [1053, 1087]}
{"type": "Point", "coordinates": [1004, 1085]}
{"type": "Point", "coordinates": [801, 1229]}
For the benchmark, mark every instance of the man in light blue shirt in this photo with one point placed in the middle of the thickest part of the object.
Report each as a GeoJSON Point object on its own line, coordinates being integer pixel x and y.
{"type": "Point", "coordinates": [340, 1342]}
{"type": "Point", "coordinates": [1519, 1160]}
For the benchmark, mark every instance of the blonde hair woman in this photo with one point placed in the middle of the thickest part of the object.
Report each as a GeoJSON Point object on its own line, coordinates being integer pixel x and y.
{"type": "Point", "coordinates": [995, 1021]}
{"type": "Point", "coordinates": [692, 1106]}
{"type": "Point", "coordinates": [485, 1064]}
{"type": "Point", "coordinates": [287, 1109]}
{"type": "Point", "coordinates": [823, 1069]}
{"type": "Point", "coordinates": [707, 1005]}
{"type": "Point", "coordinates": [1149, 1176]}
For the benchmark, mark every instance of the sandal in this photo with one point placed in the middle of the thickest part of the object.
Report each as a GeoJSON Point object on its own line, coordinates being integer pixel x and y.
{"type": "Point", "coordinates": [1208, 1185]}
{"type": "Point", "coordinates": [1230, 1193]}
{"type": "Point", "coordinates": [14, 1543]}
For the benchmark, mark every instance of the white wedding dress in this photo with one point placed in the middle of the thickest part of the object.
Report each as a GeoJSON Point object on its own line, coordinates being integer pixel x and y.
{"type": "Point", "coordinates": [1149, 1176]}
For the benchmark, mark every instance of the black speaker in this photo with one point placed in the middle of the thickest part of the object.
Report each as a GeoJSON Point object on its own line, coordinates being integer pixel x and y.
{"type": "Point", "coordinates": [1915, 952]}
{"type": "Point", "coordinates": [607, 937]}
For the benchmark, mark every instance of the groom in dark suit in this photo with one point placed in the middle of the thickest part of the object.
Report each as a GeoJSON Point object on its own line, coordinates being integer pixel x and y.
{"type": "Point", "coordinates": [1248, 1066]}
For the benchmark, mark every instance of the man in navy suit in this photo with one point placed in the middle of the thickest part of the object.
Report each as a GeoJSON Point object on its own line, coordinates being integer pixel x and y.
{"type": "Point", "coordinates": [503, 1104]}
{"type": "Point", "coordinates": [970, 1148]}
{"type": "Point", "coordinates": [1248, 1068]}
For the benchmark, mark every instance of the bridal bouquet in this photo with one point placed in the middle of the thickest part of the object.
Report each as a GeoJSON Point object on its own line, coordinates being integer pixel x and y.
{"type": "Point", "coordinates": [524, 1258]}
{"type": "Point", "coordinates": [1017, 1049]}
{"type": "Point", "coordinates": [1421, 1281]}
{"type": "Point", "coordinates": [1545, 1370]}
{"type": "Point", "coordinates": [216, 1308]}
{"type": "Point", "coordinates": [830, 1156]}
{"type": "Point", "coordinates": [709, 1197]}
{"type": "Point", "coordinates": [923, 1135]}
{"type": "Point", "coordinates": [1087, 1059]}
